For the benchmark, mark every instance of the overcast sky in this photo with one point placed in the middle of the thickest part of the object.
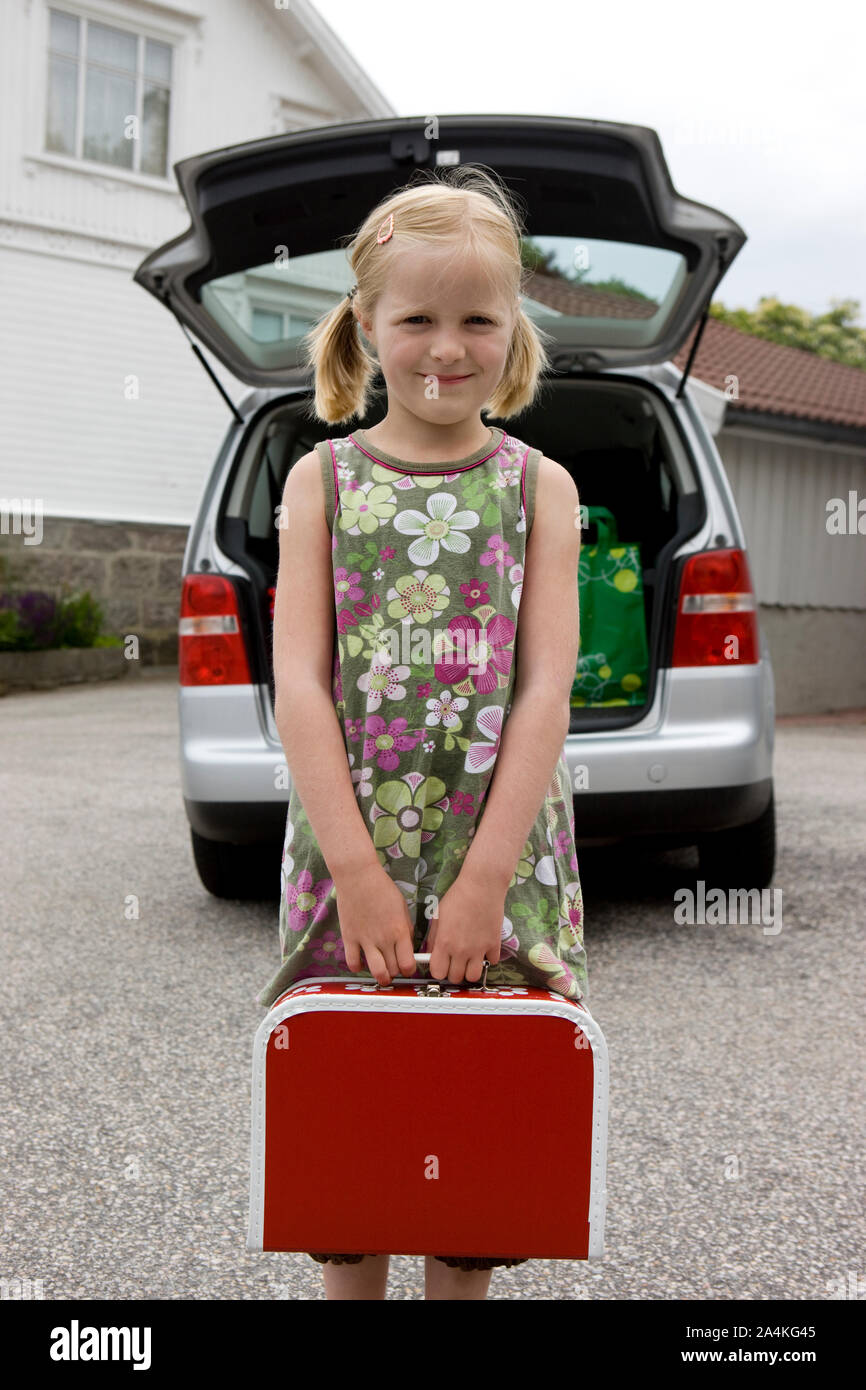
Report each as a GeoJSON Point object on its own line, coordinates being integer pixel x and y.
{"type": "Point", "coordinates": [759, 106]}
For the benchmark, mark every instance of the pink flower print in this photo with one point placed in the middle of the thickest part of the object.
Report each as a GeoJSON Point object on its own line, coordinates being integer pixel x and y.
{"type": "Point", "coordinates": [497, 553]}
{"type": "Point", "coordinates": [345, 620]}
{"type": "Point", "coordinates": [575, 913]}
{"type": "Point", "coordinates": [354, 729]}
{"type": "Point", "coordinates": [307, 901]}
{"type": "Point", "coordinates": [330, 949]}
{"type": "Point", "coordinates": [462, 802]}
{"type": "Point", "coordinates": [564, 845]}
{"type": "Point", "coordinates": [386, 740]}
{"type": "Point", "coordinates": [387, 552]}
{"type": "Point", "coordinates": [422, 690]}
{"type": "Point", "coordinates": [486, 650]}
{"type": "Point", "coordinates": [346, 586]}
{"type": "Point", "coordinates": [474, 592]}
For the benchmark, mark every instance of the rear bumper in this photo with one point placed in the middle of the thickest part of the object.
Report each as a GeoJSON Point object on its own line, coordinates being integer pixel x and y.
{"type": "Point", "coordinates": [700, 759]}
{"type": "Point", "coordinates": [674, 815]}
{"type": "Point", "coordinates": [598, 816]}
{"type": "Point", "coordinates": [238, 822]}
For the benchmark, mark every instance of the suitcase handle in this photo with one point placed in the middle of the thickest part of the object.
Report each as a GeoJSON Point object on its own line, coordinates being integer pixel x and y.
{"type": "Point", "coordinates": [423, 958]}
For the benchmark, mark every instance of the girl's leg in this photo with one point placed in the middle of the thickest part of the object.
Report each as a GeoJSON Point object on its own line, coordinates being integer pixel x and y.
{"type": "Point", "coordinates": [443, 1281]}
{"type": "Point", "coordinates": [366, 1279]}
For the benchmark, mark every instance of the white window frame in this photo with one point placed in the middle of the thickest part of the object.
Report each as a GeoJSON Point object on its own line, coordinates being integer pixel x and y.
{"type": "Point", "coordinates": [174, 31]}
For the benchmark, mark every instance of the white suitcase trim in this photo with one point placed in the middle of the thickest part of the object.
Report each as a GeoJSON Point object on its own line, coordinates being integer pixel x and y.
{"type": "Point", "coordinates": [299, 1003]}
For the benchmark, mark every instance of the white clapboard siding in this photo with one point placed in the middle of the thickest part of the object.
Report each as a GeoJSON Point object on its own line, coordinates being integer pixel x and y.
{"type": "Point", "coordinates": [113, 416]}
{"type": "Point", "coordinates": [782, 484]}
{"type": "Point", "coordinates": [74, 329]}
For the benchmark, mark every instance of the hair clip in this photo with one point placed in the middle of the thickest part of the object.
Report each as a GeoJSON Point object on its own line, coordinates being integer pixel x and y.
{"type": "Point", "coordinates": [351, 292]}
{"type": "Point", "coordinates": [390, 232]}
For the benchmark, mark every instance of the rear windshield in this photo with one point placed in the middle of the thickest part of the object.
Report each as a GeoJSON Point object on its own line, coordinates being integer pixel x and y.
{"type": "Point", "coordinates": [586, 293]}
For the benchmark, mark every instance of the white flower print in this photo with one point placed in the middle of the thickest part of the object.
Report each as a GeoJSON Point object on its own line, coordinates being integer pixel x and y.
{"type": "Point", "coordinates": [442, 526]}
{"type": "Point", "coordinates": [481, 756]}
{"type": "Point", "coordinates": [515, 574]}
{"type": "Point", "coordinates": [383, 681]}
{"type": "Point", "coordinates": [545, 869]}
{"type": "Point", "coordinates": [506, 477]}
{"type": "Point", "coordinates": [414, 891]}
{"type": "Point", "coordinates": [288, 862]}
{"type": "Point", "coordinates": [361, 776]}
{"type": "Point", "coordinates": [444, 709]}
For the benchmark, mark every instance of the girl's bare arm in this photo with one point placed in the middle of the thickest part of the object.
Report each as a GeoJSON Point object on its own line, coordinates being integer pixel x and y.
{"type": "Point", "coordinates": [372, 910]}
{"type": "Point", "coordinates": [548, 639]}
{"type": "Point", "coordinates": [306, 719]}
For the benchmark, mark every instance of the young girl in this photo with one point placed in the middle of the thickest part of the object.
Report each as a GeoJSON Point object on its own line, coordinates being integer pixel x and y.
{"type": "Point", "coordinates": [405, 553]}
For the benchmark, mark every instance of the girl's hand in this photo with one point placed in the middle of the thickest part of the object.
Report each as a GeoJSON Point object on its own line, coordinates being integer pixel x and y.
{"type": "Point", "coordinates": [466, 928]}
{"type": "Point", "coordinates": [374, 918]}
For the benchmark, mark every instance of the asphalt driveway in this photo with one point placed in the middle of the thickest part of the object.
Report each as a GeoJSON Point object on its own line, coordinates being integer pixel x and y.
{"type": "Point", "coordinates": [128, 1010]}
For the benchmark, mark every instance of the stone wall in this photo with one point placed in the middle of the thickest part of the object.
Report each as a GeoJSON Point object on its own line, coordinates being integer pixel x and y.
{"type": "Point", "coordinates": [132, 569]}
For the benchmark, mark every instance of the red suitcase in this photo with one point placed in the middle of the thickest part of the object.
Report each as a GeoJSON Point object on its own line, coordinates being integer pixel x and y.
{"type": "Point", "coordinates": [427, 1118]}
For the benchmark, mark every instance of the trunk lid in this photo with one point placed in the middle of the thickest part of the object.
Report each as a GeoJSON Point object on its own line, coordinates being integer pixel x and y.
{"type": "Point", "coordinates": [621, 266]}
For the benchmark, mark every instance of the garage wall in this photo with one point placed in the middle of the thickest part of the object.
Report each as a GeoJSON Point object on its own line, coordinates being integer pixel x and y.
{"type": "Point", "coordinates": [811, 585]}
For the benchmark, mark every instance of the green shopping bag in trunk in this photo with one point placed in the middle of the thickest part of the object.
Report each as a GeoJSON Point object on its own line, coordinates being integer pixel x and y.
{"type": "Point", "coordinates": [613, 663]}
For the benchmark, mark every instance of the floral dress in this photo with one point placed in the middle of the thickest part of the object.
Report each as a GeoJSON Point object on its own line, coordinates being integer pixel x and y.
{"type": "Point", "coordinates": [428, 568]}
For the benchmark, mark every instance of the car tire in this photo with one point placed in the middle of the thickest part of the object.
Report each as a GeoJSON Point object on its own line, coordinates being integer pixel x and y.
{"type": "Point", "coordinates": [243, 872]}
{"type": "Point", "coordinates": [743, 857]}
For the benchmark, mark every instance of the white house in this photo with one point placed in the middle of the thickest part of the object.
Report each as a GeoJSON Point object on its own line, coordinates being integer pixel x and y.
{"type": "Point", "coordinates": [107, 416]}
{"type": "Point", "coordinates": [109, 426]}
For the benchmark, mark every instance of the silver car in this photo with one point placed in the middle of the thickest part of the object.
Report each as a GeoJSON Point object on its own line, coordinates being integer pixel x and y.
{"type": "Point", "coordinates": [620, 270]}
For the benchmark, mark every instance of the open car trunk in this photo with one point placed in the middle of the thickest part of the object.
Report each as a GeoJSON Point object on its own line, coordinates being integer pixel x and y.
{"type": "Point", "coordinates": [617, 436]}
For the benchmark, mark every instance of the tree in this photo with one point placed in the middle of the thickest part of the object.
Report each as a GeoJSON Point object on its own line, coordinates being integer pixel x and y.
{"type": "Point", "coordinates": [834, 334]}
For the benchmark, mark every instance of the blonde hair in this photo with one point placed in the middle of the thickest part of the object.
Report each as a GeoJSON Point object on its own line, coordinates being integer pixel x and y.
{"type": "Point", "coordinates": [467, 207]}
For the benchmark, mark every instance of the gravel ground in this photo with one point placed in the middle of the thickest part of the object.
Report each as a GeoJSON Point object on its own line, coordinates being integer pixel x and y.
{"type": "Point", "coordinates": [736, 1117]}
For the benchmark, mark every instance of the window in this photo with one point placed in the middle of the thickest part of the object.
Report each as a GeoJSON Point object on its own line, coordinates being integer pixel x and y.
{"type": "Point", "coordinates": [271, 326]}
{"type": "Point", "coordinates": [583, 292]}
{"type": "Point", "coordinates": [109, 95]}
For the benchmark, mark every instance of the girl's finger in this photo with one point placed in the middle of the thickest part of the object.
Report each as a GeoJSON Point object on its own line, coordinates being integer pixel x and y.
{"type": "Point", "coordinates": [389, 956]}
{"type": "Point", "coordinates": [439, 963]}
{"type": "Point", "coordinates": [474, 968]}
{"type": "Point", "coordinates": [376, 964]}
{"type": "Point", "coordinates": [457, 972]}
{"type": "Point", "coordinates": [405, 957]}
{"type": "Point", "coordinates": [353, 955]}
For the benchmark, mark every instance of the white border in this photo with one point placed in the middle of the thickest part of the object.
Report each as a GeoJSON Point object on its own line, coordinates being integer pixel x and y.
{"type": "Point", "coordinates": [371, 998]}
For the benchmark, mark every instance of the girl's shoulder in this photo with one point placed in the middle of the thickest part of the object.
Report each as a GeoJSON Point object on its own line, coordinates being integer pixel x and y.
{"type": "Point", "coordinates": [324, 450]}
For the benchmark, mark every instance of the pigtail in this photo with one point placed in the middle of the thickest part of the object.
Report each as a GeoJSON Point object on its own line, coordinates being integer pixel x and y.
{"type": "Point", "coordinates": [527, 359]}
{"type": "Point", "coordinates": [343, 368]}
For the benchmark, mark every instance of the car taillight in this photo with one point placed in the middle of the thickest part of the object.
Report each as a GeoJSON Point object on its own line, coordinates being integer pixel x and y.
{"type": "Point", "coordinates": [717, 620]}
{"type": "Point", "coordinates": [211, 644]}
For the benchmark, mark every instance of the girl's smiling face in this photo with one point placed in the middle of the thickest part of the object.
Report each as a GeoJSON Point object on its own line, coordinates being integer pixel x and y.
{"type": "Point", "coordinates": [440, 319]}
